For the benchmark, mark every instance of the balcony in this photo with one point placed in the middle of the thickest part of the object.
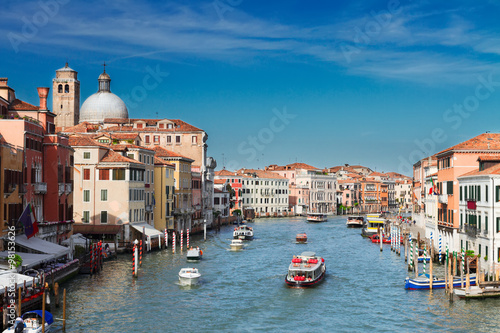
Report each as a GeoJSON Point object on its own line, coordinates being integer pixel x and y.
{"type": "Point", "coordinates": [443, 198]}
{"type": "Point", "coordinates": [61, 188]}
{"type": "Point", "coordinates": [149, 208]}
{"type": "Point", "coordinates": [68, 188]}
{"type": "Point", "coordinates": [40, 188]}
{"type": "Point", "coordinates": [471, 230]}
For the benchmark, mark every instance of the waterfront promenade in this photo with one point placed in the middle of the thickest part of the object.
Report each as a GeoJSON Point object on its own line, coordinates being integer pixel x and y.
{"type": "Point", "coordinates": [245, 291]}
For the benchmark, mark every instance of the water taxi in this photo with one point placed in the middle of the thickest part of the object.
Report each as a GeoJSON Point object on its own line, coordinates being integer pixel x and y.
{"type": "Point", "coordinates": [316, 217]}
{"type": "Point", "coordinates": [189, 276]}
{"type": "Point", "coordinates": [243, 232]}
{"type": "Point", "coordinates": [305, 270]}
{"type": "Point", "coordinates": [236, 244]}
{"type": "Point", "coordinates": [423, 282]}
{"type": "Point", "coordinates": [373, 223]}
{"type": "Point", "coordinates": [32, 322]}
{"type": "Point", "coordinates": [194, 254]}
{"type": "Point", "coordinates": [301, 238]}
{"type": "Point", "coordinates": [355, 222]}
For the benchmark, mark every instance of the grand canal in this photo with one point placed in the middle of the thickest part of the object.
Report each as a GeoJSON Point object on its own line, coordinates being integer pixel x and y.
{"type": "Point", "coordinates": [245, 291]}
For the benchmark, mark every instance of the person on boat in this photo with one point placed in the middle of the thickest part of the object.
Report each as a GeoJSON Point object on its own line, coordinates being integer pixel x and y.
{"type": "Point", "coordinates": [19, 325]}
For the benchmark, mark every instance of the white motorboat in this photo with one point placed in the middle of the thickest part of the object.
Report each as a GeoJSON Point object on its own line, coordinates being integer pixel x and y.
{"type": "Point", "coordinates": [355, 222]}
{"type": "Point", "coordinates": [243, 232]}
{"type": "Point", "coordinates": [189, 276]}
{"type": "Point", "coordinates": [236, 244]}
{"type": "Point", "coordinates": [194, 254]}
{"type": "Point", "coordinates": [32, 322]}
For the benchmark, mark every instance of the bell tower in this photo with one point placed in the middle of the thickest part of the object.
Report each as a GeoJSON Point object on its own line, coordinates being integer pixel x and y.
{"type": "Point", "coordinates": [66, 97]}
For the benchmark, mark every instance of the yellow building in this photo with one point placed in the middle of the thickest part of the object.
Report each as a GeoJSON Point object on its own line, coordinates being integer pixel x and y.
{"type": "Point", "coordinates": [183, 207]}
{"type": "Point", "coordinates": [11, 184]}
{"type": "Point", "coordinates": [163, 196]}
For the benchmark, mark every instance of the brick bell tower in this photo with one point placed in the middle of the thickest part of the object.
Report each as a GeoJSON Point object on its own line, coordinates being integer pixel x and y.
{"type": "Point", "coordinates": [66, 97]}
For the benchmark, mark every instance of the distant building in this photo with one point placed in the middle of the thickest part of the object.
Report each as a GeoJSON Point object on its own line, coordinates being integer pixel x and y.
{"type": "Point", "coordinates": [163, 199]}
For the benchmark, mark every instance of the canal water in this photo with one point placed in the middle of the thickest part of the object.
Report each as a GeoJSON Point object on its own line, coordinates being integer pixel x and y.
{"type": "Point", "coordinates": [245, 291]}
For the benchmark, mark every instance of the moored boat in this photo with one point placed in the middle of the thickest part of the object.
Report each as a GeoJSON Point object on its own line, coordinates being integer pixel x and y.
{"type": "Point", "coordinates": [355, 222]}
{"type": "Point", "coordinates": [376, 239]}
{"type": "Point", "coordinates": [243, 232]}
{"type": "Point", "coordinates": [194, 254]}
{"type": "Point", "coordinates": [301, 238]}
{"type": "Point", "coordinates": [316, 217]}
{"type": "Point", "coordinates": [32, 322]}
{"type": "Point", "coordinates": [373, 224]}
{"type": "Point", "coordinates": [423, 282]}
{"type": "Point", "coordinates": [236, 244]}
{"type": "Point", "coordinates": [484, 290]}
{"type": "Point", "coordinates": [189, 276]}
{"type": "Point", "coordinates": [305, 270]}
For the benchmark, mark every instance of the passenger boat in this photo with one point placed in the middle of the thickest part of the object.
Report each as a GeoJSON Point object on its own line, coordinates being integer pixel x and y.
{"type": "Point", "coordinates": [236, 244]}
{"type": "Point", "coordinates": [423, 282]}
{"type": "Point", "coordinates": [189, 276]}
{"type": "Point", "coordinates": [194, 254]}
{"type": "Point", "coordinates": [305, 270]}
{"type": "Point", "coordinates": [243, 232]}
{"type": "Point", "coordinates": [355, 222]}
{"type": "Point", "coordinates": [301, 238]}
{"type": "Point", "coordinates": [316, 217]}
{"type": "Point", "coordinates": [373, 223]}
{"type": "Point", "coordinates": [32, 322]}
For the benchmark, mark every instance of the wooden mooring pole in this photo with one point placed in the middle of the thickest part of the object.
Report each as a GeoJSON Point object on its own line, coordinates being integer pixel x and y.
{"type": "Point", "coordinates": [43, 312]}
{"type": "Point", "coordinates": [64, 309]}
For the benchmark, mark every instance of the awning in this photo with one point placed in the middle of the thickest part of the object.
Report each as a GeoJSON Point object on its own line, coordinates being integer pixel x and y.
{"type": "Point", "coordinates": [90, 229]}
{"type": "Point", "coordinates": [31, 260]}
{"type": "Point", "coordinates": [8, 278]}
{"type": "Point", "coordinates": [149, 230]}
{"type": "Point", "coordinates": [39, 245]}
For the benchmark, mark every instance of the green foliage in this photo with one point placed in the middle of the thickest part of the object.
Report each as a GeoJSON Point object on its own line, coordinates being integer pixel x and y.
{"type": "Point", "coordinates": [485, 258]}
{"type": "Point", "coordinates": [469, 253]}
{"type": "Point", "coordinates": [237, 212]}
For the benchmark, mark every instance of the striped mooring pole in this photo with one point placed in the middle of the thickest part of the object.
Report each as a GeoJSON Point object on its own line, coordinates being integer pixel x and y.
{"type": "Point", "coordinates": [133, 260]}
{"type": "Point", "coordinates": [140, 252]}
{"type": "Point", "coordinates": [463, 261]}
{"type": "Point", "coordinates": [181, 239]}
{"type": "Point", "coordinates": [187, 238]}
{"type": "Point", "coordinates": [410, 259]}
{"type": "Point", "coordinates": [439, 248]}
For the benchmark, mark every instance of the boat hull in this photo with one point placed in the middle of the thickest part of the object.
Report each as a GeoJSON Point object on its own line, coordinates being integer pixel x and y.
{"type": "Point", "coordinates": [423, 283]}
{"type": "Point", "coordinates": [305, 284]}
{"type": "Point", "coordinates": [236, 247]}
{"type": "Point", "coordinates": [188, 281]}
{"type": "Point", "coordinates": [354, 225]}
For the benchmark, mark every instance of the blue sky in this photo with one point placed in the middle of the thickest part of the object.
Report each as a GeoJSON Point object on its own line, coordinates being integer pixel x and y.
{"type": "Point", "coordinates": [378, 83]}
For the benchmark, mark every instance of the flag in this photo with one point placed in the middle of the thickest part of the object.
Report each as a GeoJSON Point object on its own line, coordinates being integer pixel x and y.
{"type": "Point", "coordinates": [434, 188]}
{"type": "Point", "coordinates": [154, 201]}
{"type": "Point", "coordinates": [28, 220]}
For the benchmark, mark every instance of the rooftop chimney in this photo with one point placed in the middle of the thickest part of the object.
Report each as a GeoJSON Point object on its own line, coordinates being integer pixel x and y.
{"type": "Point", "coordinates": [3, 81]}
{"type": "Point", "coordinates": [43, 92]}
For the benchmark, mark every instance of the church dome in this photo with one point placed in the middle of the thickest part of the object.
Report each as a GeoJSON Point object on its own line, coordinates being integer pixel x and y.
{"type": "Point", "coordinates": [103, 104]}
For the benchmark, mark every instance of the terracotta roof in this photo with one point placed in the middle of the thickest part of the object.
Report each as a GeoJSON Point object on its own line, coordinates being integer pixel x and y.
{"type": "Point", "coordinates": [261, 173]}
{"type": "Point", "coordinates": [114, 157]}
{"type": "Point", "coordinates": [162, 152]}
{"type": "Point", "coordinates": [84, 127]}
{"type": "Point", "coordinates": [224, 172]}
{"type": "Point", "coordinates": [219, 181]}
{"type": "Point", "coordinates": [116, 120]}
{"type": "Point", "coordinates": [119, 136]}
{"type": "Point", "coordinates": [485, 141]}
{"type": "Point", "coordinates": [493, 157]}
{"type": "Point", "coordinates": [159, 161]}
{"type": "Point", "coordinates": [376, 174]}
{"type": "Point", "coordinates": [301, 166]}
{"type": "Point", "coordinates": [18, 105]}
{"type": "Point", "coordinates": [494, 170]}
{"type": "Point", "coordinates": [120, 147]}
{"type": "Point", "coordinates": [77, 140]}
{"type": "Point", "coordinates": [180, 126]}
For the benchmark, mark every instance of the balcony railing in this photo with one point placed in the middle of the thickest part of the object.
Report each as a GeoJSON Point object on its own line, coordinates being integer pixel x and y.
{"type": "Point", "coordinates": [149, 208]}
{"type": "Point", "coordinates": [443, 198]}
{"type": "Point", "coordinates": [471, 230]}
{"type": "Point", "coordinates": [69, 188]}
{"type": "Point", "coordinates": [61, 188]}
{"type": "Point", "coordinates": [40, 188]}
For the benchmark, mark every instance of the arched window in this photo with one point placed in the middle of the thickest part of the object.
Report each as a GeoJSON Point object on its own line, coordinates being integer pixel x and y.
{"type": "Point", "coordinates": [66, 88]}
{"type": "Point", "coordinates": [59, 88]}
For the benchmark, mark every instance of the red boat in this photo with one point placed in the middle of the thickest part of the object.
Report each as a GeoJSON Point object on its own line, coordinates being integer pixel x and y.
{"type": "Point", "coordinates": [376, 239]}
{"type": "Point", "coordinates": [301, 238]}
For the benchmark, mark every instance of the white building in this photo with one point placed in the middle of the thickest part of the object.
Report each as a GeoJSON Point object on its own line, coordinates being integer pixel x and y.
{"type": "Point", "coordinates": [265, 192]}
{"type": "Point", "coordinates": [221, 198]}
{"type": "Point", "coordinates": [479, 209]}
{"type": "Point", "coordinates": [322, 189]}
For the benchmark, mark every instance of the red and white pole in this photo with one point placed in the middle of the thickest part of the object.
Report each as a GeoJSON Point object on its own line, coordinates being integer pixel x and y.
{"type": "Point", "coordinates": [173, 242]}
{"type": "Point", "coordinates": [181, 240]}
{"type": "Point", "coordinates": [187, 238]}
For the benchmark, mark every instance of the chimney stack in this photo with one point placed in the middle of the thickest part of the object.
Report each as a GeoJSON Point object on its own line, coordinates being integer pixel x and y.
{"type": "Point", "coordinates": [43, 92]}
{"type": "Point", "coordinates": [3, 81]}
